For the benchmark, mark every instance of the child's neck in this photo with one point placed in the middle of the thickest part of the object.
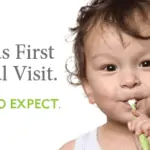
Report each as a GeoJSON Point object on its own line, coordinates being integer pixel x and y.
{"type": "Point", "coordinates": [118, 131]}
{"type": "Point", "coordinates": [117, 128]}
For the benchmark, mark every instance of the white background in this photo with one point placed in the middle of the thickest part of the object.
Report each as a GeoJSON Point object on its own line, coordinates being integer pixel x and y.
{"type": "Point", "coordinates": [41, 23]}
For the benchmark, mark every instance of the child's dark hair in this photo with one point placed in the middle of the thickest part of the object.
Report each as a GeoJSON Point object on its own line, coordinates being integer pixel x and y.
{"type": "Point", "coordinates": [116, 13]}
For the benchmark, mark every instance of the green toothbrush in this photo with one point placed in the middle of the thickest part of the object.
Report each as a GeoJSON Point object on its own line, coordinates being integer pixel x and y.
{"type": "Point", "coordinates": [142, 138]}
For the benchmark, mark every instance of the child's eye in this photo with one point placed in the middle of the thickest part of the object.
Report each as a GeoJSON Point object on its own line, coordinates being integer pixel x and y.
{"type": "Point", "coordinates": [109, 67]}
{"type": "Point", "coordinates": [145, 63]}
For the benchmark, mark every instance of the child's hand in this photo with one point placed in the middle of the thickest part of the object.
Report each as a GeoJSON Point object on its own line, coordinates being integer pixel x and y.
{"type": "Point", "coordinates": [140, 125]}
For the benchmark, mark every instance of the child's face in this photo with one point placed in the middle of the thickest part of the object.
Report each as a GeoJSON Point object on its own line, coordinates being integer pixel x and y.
{"type": "Point", "coordinates": [117, 73]}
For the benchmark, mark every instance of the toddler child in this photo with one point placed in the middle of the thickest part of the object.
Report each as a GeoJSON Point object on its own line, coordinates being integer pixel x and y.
{"type": "Point", "coordinates": [112, 60]}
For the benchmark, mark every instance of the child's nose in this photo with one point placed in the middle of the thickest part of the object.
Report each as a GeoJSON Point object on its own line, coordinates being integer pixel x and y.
{"type": "Point", "coordinates": [129, 80]}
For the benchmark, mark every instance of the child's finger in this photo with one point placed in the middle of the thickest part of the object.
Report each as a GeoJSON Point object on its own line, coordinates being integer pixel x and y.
{"type": "Point", "coordinates": [129, 125]}
{"type": "Point", "coordinates": [148, 138]}
{"type": "Point", "coordinates": [138, 126]}
{"type": "Point", "coordinates": [146, 128]}
{"type": "Point", "coordinates": [136, 113]}
{"type": "Point", "coordinates": [142, 127]}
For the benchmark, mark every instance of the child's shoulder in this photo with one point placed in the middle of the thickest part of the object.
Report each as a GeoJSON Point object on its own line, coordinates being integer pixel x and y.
{"type": "Point", "coordinates": [86, 140]}
{"type": "Point", "coordinates": [68, 146]}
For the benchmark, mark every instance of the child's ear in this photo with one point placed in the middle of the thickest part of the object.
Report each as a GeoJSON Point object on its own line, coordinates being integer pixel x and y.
{"type": "Point", "coordinates": [88, 91]}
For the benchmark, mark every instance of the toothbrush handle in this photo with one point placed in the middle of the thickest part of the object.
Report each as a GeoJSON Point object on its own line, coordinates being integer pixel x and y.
{"type": "Point", "coordinates": [144, 142]}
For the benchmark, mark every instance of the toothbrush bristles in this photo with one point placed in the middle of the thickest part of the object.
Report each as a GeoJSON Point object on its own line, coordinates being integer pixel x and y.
{"type": "Point", "coordinates": [132, 101]}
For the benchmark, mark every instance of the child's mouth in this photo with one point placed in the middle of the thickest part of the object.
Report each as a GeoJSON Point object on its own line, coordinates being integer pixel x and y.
{"type": "Point", "coordinates": [137, 102]}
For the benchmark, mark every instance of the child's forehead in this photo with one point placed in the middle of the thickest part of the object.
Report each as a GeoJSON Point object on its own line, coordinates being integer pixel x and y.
{"type": "Point", "coordinates": [111, 40]}
{"type": "Point", "coordinates": [106, 38]}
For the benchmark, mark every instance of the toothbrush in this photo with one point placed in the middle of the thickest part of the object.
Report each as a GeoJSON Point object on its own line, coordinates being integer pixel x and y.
{"type": "Point", "coordinates": [142, 138]}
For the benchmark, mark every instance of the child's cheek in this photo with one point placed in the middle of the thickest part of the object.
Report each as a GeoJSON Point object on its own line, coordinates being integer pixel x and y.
{"type": "Point", "coordinates": [144, 73]}
{"type": "Point", "coordinates": [105, 91]}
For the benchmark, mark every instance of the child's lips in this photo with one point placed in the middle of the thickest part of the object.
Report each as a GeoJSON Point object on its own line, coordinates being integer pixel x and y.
{"type": "Point", "coordinates": [139, 100]}
{"type": "Point", "coordinates": [126, 102]}
{"type": "Point", "coordinates": [137, 103]}
{"type": "Point", "coordinates": [135, 96]}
